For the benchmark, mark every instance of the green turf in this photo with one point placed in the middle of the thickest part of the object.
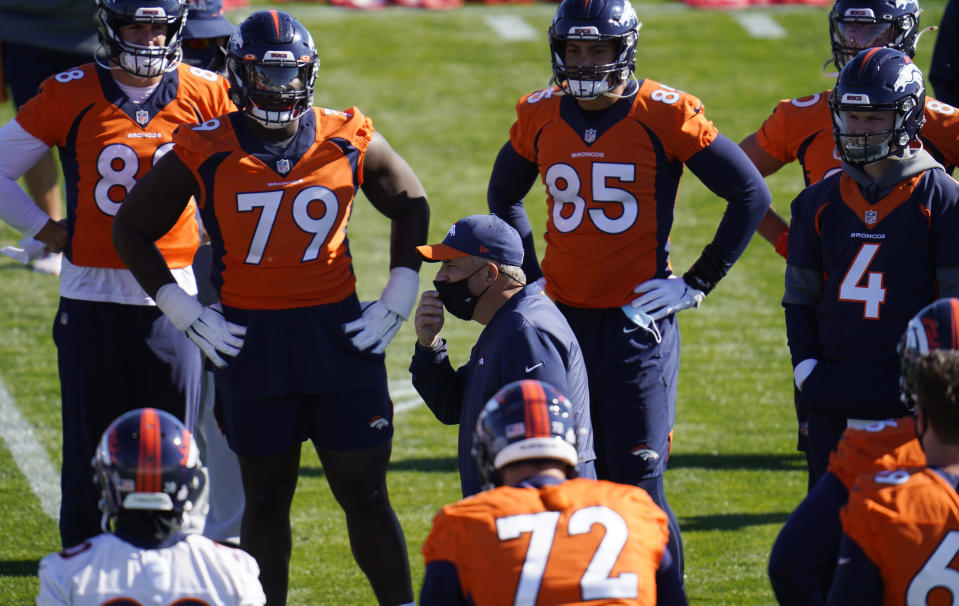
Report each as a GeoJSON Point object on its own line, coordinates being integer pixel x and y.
{"type": "Point", "coordinates": [441, 86]}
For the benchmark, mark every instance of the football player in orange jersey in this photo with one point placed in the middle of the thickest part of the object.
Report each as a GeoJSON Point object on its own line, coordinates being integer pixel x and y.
{"type": "Point", "coordinates": [900, 527]}
{"type": "Point", "coordinates": [541, 535]}
{"type": "Point", "coordinates": [610, 151]}
{"type": "Point", "coordinates": [299, 357]}
{"type": "Point", "coordinates": [800, 129]}
{"type": "Point", "coordinates": [803, 557]}
{"type": "Point", "coordinates": [111, 120]}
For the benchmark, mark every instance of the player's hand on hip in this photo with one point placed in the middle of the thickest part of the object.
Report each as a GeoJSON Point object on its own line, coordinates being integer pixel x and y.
{"type": "Point", "coordinates": [429, 318]}
{"type": "Point", "coordinates": [381, 319]}
{"type": "Point", "coordinates": [205, 326]}
{"type": "Point", "coordinates": [661, 297]}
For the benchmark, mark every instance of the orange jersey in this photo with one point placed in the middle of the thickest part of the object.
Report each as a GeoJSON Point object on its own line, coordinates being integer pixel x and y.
{"type": "Point", "coordinates": [883, 445]}
{"type": "Point", "coordinates": [278, 222]}
{"type": "Point", "coordinates": [106, 143]}
{"type": "Point", "coordinates": [610, 186]}
{"type": "Point", "coordinates": [801, 129]}
{"type": "Point", "coordinates": [571, 543]}
{"type": "Point", "coordinates": [907, 523]}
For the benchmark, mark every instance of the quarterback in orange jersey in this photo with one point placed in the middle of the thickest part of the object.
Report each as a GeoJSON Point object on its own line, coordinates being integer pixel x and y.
{"type": "Point", "coordinates": [899, 528]}
{"type": "Point", "coordinates": [298, 356]}
{"type": "Point", "coordinates": [111, 120]}
{"type": "Point", "coordinates": [610, 151]}
{"type": "Point", "coordinates": [801, 128]}
{"type": "Point", "coordinates": [542, 536]}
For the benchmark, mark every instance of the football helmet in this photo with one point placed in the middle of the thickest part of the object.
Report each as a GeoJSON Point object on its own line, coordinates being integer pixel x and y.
{"type": "Point", "coordinates": [271, 64]}
{"type": "Point", "coordinates": [594, 20]}
{"type": "Point", "coordinates": [524, 420]}
{"type": "Point", "coordinates": [936, 326]}
{"type": "Point", "coordinates": [877, 80]}
{"type": "Point", "coordinates": [205, 35]}
{"type": "Point", "coordinates": [858, 24]}
{"type": "Point", "coordinates": [147, 460]}
{"type": "Point", "coordinates": [140, 60]}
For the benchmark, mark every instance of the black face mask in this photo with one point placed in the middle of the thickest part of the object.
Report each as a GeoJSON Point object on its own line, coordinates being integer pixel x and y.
{"type": "Point", "coordinates": [457, 298]}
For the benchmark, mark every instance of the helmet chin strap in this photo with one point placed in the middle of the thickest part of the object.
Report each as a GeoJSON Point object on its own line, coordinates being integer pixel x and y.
{"type": "Point", "coordinates": [830, 75]}
{"type": "Point", "coordinates": [632, 78]}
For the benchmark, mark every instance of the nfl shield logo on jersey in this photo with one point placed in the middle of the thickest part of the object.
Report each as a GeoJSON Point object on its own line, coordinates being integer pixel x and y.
{"type": "Point", "coordinates": [282, 166]}
{"type": "Point", "coordinates": [143, 116]}
{"type": "Point", "coordinates": [590, 135]}
{"type": "Point", "coordinates": [871, 217]}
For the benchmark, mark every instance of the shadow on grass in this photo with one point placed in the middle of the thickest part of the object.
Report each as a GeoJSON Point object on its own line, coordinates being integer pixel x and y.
{"type": "Point", "coordinates": [731, 521]}
{"type": "Point", "coordinates": [19, 568]}
{"type": "Point", "coordinates": [431, 465]}
{"type": "Point", "coordinates": [748, 462]}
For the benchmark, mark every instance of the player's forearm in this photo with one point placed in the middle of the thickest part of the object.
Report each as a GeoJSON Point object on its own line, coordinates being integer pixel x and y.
{"type": "Point", "coordinates": [141, 256]}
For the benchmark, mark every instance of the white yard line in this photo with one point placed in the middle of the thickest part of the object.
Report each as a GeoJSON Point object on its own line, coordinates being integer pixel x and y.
{"type": "Point", "coordinates": [511, 27]}
{"type": "Point", "coordinates": [404, 396]}
{"type": "Point", "coordinates": [29, 455]}
{"type": "Point", "coordinates": [759, 25]}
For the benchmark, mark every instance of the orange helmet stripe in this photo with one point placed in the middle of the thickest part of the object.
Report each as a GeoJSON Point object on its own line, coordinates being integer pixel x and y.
{"type": "Point", "coordinates": [536, 413]}
{"type": "Point", "coordinates": [276, 22]}
{"type": "Point", "coordinates": [865, 59]}
{"type": "Point", "coordinates": [149, 472]}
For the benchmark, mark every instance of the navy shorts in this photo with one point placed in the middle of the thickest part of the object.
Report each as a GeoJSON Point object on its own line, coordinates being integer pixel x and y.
{"type": "Point", "coordinates": [298, 377]}
{"type": "Point", "coordinates": [632, 391]}
{"type": "Point", "coordinates": [25, 67]}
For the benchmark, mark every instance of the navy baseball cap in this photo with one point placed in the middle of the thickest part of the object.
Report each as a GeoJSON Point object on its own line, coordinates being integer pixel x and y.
{"type": "Point", "coordinates": [205, 20]}
{"type": "Point", "coordinates": [485, 236]}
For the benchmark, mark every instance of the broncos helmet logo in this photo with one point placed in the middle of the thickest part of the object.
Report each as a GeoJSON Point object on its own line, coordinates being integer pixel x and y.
{"type": "Point", "coordinates": [908, 74]}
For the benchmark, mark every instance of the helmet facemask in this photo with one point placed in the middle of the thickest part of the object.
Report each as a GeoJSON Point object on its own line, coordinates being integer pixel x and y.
{"type": "Point", "coordinates": [276, 93]}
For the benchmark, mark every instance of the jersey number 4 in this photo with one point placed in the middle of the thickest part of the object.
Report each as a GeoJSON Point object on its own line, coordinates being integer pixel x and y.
{"type": "Point", "coordinates": [872, 294]}
{"type": "Point", "coordinates": [595, 584]}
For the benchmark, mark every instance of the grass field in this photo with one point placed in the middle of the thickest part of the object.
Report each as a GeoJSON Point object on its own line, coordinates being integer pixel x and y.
{"type": "Point", "coordinates": [441, 87]}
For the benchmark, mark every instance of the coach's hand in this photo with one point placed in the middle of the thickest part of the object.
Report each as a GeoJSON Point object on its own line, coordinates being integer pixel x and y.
{"type": "Point", "coordinates": [205, 326]}
{"type": "Point", "coordinates": [381, 319]}
{"type": "Point", "coordinates": [429, 318]}
{"type": "Point", "coordinates": [664, 296]}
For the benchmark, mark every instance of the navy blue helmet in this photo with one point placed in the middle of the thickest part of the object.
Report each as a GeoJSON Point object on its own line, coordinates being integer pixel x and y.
{"type": "Point", "coordinates": [524, 420]}
{"type": "Point", "coordinates": [271, 64]}
{"type": "Point", "coordinates": [147, 460]}
{"type": "Point", "coordinates": [877, 80]}
{"type": "Point", "coordinates": [594, 20]}
{"type": "Point", "coordinates": [936, 326]}
{"type": "Point", "coordinates": [137, 59]}
{"type": "Point", "coordinates": [858, 24]}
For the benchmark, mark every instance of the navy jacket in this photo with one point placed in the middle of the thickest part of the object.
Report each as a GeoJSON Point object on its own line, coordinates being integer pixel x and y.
{"type": "Point", "coordinates": [527, 338]}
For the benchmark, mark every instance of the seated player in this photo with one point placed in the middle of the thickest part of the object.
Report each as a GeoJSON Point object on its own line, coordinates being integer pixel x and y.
{"type": "Point", "coordinates": [543, 536]}
{"type": "Point", "coordinates": [147, 468]}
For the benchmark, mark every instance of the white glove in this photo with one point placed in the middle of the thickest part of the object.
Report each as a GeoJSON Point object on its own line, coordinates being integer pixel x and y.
{"type": "Point", "coordinates": [32, 250]}
{"type": "Point", "coordinates": [205, 326]}
{"type": "Point", "coordinates": [803, 370]}
{"type": "Point", "coordinates": [381, 319]}
{"type": "Point", "coordinates": [665, 296]}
